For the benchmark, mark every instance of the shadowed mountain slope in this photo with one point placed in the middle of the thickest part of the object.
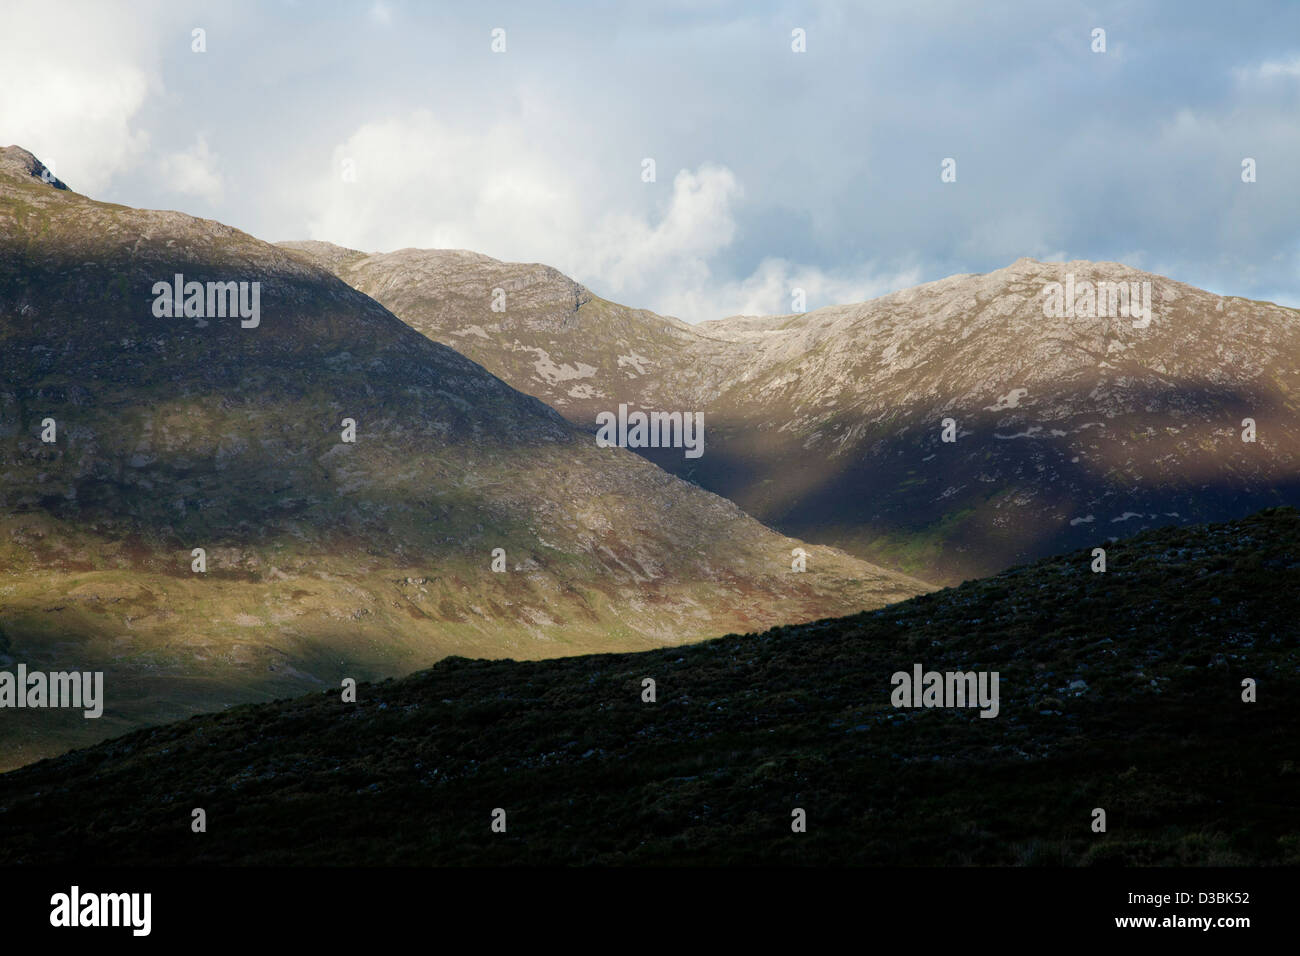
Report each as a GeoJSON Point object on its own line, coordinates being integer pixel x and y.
{"type": "Point", "coordinates": [827, 425]}
{"type": "Point", "coordinates": [324, 558]}
{"type": "Point", "coordinates": [1120, 690]}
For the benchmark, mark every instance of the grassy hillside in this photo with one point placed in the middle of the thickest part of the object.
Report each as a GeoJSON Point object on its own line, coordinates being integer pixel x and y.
{"type": "Point", "coordinates": [325, 557]}
{"type": "Point", "coordinates": [1119, 690]}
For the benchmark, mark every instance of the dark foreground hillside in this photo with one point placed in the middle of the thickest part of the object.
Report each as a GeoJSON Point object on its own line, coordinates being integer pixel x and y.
{"type": "Point", "coordinates": [1119, 691]}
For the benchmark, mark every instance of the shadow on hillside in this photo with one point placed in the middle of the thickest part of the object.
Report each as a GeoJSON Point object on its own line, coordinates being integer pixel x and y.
{"type": "Point", "coordinates": [948, 512]}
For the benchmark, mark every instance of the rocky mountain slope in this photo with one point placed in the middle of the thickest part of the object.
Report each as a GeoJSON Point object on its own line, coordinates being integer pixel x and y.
{"type": "Point", "coordinates": [1120, 691]}
{"type": "Point", "coordinates": [827, 425]}
{"type": "Point", "coordinates": [325, 558]}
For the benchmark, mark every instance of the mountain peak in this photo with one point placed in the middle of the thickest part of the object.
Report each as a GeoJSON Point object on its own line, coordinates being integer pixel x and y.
{"type": "Point", "coordinates": [470, 280]}
{"type": "Point", "coordinates": [16, 161]}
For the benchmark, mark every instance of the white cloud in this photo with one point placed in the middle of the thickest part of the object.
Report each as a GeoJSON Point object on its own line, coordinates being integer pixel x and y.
{"type": "Point", "coordinates": [627, 253]}
{"type": "Point", "coordinates": [193, 172]}
{"type": "Point", "coordinates": [536, 156]}
{"type": "Point", "coordinates": [74, 84]}
{"type": "Point", "coordinates": [422, 182]}
{"type": "Point", "coordinates": [769, 290]}
{"type": "Point", "coordinates": [1269, 70]}
{"type": "Point", "coordinates": [1276, 68]}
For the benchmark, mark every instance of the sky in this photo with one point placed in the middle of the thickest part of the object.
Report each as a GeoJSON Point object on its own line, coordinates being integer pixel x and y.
{"type": "Point", "coordinates": [385, 125]}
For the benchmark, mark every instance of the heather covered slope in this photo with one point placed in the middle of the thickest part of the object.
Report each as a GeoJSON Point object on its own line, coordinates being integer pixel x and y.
{"type": "Point", "coordinates": [1119, 691]}
{"type": "Point", "coordinates": [827, 425]}
{"type": "Point", "coordinates": [324, 558]}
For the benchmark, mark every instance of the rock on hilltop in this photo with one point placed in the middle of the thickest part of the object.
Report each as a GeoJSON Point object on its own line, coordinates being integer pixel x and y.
{"type": "Point", "coordinates": [17, 162]}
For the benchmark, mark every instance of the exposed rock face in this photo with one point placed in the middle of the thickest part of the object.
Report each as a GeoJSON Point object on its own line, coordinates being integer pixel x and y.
{"type": "Point", "coordinates": [827, 425]}
{"type": "Point", "coordinates": [16, 161]}
{"type": "Point", "coordinates": [324, 558]}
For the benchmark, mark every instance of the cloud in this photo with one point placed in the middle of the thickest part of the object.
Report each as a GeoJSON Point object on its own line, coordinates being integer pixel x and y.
{"type": "Point", "coordinates": [629, 252]}
{"type": "Point", "coordinates": [75, 81]}
{"type": "Point", "coordinates": [1270, 70]}
{"type": "Point", "coordinates": [193, 172]}
{"type": "Point", "coordinates": [1274, 68]}
{"type": "Point", "coordinates": [418, 181]}
{"type": "Point", "coordinates": [770, 290]}
{"type": "Point", "coordinates": [775, 170]}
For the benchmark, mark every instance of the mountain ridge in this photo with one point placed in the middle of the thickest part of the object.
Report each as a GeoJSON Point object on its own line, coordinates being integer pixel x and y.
{"type": "Point", "coordinates": [325, 558]}
{"type": "Point", "coordinates": [824, 424]}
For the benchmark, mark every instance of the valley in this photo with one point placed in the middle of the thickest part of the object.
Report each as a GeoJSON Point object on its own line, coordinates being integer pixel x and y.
{"type": "Point", "coordinates": [1072, 425]}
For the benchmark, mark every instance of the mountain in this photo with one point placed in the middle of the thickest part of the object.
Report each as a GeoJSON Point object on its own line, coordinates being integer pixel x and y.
{"type": "Point", "coordinates": [828, 425]}
{"type": "Point", "coordinates": [325, 558]}
{"type": "Point", "coordinates": [1119, 690]}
